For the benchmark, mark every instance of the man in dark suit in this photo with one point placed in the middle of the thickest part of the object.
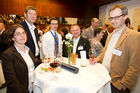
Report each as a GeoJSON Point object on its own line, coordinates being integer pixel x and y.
{"type": "Point", "coordinates": [32, 33]}
{"type": "Point", "coordinates": [80, 43]}
{"type": "Point", "coordinates": [3, 38]}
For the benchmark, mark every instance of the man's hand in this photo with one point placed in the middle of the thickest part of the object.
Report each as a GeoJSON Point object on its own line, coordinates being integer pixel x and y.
{"type": "Point", "coordinates": [123, 87]}
{"type": "Point", "coordinates": [93, 61]}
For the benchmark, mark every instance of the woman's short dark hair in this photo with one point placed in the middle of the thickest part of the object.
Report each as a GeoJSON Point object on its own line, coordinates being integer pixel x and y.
{"type": "Point", "coordinates": [12, 31]}
{"type": "Point", "coordinates": [97, 31]}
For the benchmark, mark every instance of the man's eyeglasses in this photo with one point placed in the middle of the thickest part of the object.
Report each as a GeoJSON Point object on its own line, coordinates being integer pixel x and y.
{"type": "Point", "coordinates": [54, 23]}
{"type": "Point", "coordinates": [115, 18]}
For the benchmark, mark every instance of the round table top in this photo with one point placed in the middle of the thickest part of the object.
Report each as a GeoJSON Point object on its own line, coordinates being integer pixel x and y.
{"type": "Point", "coordinates": [90, 78]}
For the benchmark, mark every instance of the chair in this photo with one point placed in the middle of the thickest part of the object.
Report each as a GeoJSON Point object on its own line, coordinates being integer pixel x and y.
{"type": "Point", "coordinates": [37, 89]}
{"type": "Point", "coordinates": [2, 80]}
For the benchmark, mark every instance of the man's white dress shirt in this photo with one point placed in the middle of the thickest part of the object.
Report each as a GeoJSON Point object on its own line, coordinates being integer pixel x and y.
{"type": "Point", "coordinates": [31, 28]}
{"type": "Point", "coordinates": [48, 44]}
{"type": "Point", "coordinates": [75, 41]}
{"type": "Point", "coordinates": [110, 47]}
{"type": "Point", "coordinates": [30, 65]}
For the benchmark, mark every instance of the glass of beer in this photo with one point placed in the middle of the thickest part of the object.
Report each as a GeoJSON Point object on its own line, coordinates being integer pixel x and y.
{"type": "Point", "coordinates": [74, 56]}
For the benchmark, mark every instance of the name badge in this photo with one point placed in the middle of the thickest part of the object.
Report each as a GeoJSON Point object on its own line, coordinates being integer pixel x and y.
{"type": "Point", "coordinates": [80, 48]}
{"type": "Point", "coordinates": [117, 52]}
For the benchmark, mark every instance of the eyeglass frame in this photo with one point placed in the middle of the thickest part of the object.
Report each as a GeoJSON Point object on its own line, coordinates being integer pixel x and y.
{"type": "Point", "coordinates": [19, 34]}
{"type": "Point", "coordinates": [115, 18]}
{"type": "Point", "coordinates": [54, 23]}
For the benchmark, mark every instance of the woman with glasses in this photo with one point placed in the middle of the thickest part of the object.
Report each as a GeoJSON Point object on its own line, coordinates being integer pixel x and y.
{"type": "Point", "coordinates": [18, 63]}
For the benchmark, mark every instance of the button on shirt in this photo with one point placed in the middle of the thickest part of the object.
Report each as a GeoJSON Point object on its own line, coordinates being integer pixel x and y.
{"type": "Point", "coordinates": [110, 47]}
{"type": "Point", "coordinates": [31, 28]}
{"type": "Point", "coordinates": [75, 41]}
{"type": "Point", "coordinates": [30, 66]}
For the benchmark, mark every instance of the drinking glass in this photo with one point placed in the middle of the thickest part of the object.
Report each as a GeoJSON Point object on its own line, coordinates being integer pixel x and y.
{"type": "Point", "coordinates": [92, 54]}
{"type": "Point", "coordinates": [74, 56]}
{"type": "Point", "coordinates": [56, 65]}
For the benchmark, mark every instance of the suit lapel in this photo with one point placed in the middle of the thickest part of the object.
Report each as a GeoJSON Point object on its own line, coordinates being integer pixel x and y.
{"type": "Point", "coordinates": [29, 36]}
{"type": "Point", "coordinates": [28, 31]}
{"type": "Point", "coordinates": [36, 35]}
{"type": "Point", "coordinates": [18, 55]}
{"type": "Point", "coordinates": [27, 28]}
{"type": "Point", "coordinates": [120, 40]}
{"type": "Point", "coordinates": [79, 43]}
{"type": "Point", "coordinates": [32, 57]}
{"type": "Point", "coordinates": [107, 41]}
{"type": "Point", "coordinates": [122, 37]}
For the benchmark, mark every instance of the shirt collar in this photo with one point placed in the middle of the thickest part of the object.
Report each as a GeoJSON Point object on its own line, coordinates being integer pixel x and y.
{"type": "Point", "coordinates": [26, 49]}
{"type": "Point", "coordinates": [91, 28]}
{"type": "Point", "coordinates": [53, 31]}
{"type": "Point", "coordinates": [76, 40]}
{"type": "Point", "coordinates": [32, 27]}
{"type": "Point", "coordinates": [120, 31]}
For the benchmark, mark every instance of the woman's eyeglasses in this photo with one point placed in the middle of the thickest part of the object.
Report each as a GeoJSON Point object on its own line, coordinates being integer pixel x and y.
{"type": "Point", "coordinates": [19, 34]}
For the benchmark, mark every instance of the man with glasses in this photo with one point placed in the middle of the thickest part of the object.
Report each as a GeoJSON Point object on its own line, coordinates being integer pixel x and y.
{"type": "Point", "coordinates": [121, 54]}
{"type": "Point", "coordinates": [52, 41]}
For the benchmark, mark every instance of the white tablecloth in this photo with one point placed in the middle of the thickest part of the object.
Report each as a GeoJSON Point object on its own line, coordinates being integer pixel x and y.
{"type": "Point", "coordinates": [90, 79]}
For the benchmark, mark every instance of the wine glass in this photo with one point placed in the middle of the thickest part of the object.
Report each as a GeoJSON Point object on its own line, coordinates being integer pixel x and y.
{"type": "Point", "coordinates": [56, 65]}
{"type": "Point", "coordinates": [92, 54]}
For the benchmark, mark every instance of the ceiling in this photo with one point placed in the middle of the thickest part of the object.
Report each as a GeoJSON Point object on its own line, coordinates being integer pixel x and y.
{"type": "Point", "coordinates": [101, 2]}
{"type": "Point", "coordinates": [95, 3]}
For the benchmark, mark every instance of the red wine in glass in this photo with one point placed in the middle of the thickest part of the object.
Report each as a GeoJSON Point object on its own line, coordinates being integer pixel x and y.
{"type": "Point", "coordinates": [54, 64]}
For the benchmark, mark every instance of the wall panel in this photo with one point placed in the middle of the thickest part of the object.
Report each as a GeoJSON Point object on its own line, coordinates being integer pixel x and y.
{"type": "Point", "coordinates": [44, 8]}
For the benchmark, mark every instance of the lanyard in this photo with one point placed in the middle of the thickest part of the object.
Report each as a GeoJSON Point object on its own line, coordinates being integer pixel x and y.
{"type": "Point", "coordinates": [56, 40]}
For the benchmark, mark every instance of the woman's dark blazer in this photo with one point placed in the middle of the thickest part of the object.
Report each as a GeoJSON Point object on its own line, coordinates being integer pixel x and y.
{"type": "Point", "coordinates": [16, 71]}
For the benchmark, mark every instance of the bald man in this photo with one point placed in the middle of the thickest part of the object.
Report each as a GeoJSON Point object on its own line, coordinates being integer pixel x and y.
{"type": "Point", "coordinates": [89, 32]}
{"type": "Point", "coordinates": [80, 43]}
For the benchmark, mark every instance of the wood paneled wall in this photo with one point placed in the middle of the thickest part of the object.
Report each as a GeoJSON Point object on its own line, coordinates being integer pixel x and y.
{"type": "Point", "coordinates": [44, 8]}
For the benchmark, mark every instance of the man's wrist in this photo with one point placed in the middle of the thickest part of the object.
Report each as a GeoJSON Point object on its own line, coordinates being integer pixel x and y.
{"type": "Point", "coordinates": [123, 87]}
